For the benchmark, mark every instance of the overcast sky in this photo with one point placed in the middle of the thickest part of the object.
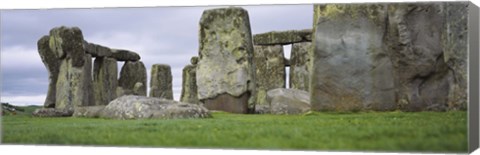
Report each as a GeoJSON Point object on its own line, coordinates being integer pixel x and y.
{"type": "Point", "coordinates": [166, 35]}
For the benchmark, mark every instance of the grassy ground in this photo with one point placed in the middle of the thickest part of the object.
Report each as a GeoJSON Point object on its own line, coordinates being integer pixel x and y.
{"type": "Point", "coordinates": [374, 131]}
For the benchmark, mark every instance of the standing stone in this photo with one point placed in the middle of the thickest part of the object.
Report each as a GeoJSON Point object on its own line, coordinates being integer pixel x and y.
{"type": "Point", "coordinates": [415, 40]}
{"type": "Point", "coordinates": [161, 81]}
{"type": "Point", "coordinates": [270, 72]}
{"type": "Point", "coordinates": [299, 66]}
{"type": "Point", "coordinates": [455, 51]}
{"type": "Point", "coordinates": [350, 68]}
{"type": "Point", "coordinates": [133, 72]}
{"type": "Point", "coordinates": [189, 85]}
{"type": "Point", "coordinates": [225, 71]}
{"type": "Point", "coordinates": [87, 78]}
{"type": "Point", "coordinates": [105, 80]}
{"type": "Point", "coordinates": [74, 78]}
{"type": "Point", "coordinates": [52, 63]}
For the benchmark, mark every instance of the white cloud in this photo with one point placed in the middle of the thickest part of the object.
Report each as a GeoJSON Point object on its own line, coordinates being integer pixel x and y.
{"type": "Point", "coordinates": [24, 100]}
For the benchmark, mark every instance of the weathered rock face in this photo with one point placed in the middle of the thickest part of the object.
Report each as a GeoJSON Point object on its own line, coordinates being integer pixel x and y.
{"type": "Point", "coordinates": [74, 79]}
{"type": "Point", "coordinates": [189, 85]}
{"type": "Point", "coordinates": [52, 63]}
{"type": "Point", "coordinates": [133, 72]}
{"type": "Point", "coordinates": [455, 51]}
{"type": "Point", "coordinates": [415, 41]}
{"type": "Point", "coordinates": [88, 111]}
{"type": "Point", "coordinates": [299, 66]}
{"type": "Point", "coordinates": [194, 60]}
{"type": "Point", "coordinates": [161, 81]}
{"type": "Point", "coordinates": [226, 67]}
{"type": "Point", "coordinates": [283, 37]}
{"type": "Point", "coordinates": [270, 71]}
{"type": "Point", "coordinates": [351, 69]}
{"type": "Point", "coordinates": [104, 80]}
{"type": "Point", "coordinates": [288, 101]}
{"type": "Point", "coordinates": [52, 112]}
{"type": "Point", "coordinates": [140, 107]}
{"type": "Point", "coordinates": [96, 50]}
{"type": "Point", "coordinates": [124, 55]}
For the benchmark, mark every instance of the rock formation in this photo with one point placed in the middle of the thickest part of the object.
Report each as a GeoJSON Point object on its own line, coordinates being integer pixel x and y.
{"type": "Point", "coordinates": [52, 63]}
{"type": "Point", "coordinates": [73, 86]}
{"type": "Point", "coordinates": [300, 66]}
{"type": "Point", "coordinates": [288, 101]}
{"type": "Point", "coordinates": [189, 82]}
{"type": "Point", "coordinates": [283, 37]}
{"type": "Point", "coordinates": [133, 73]}
{"type": "Point", "coordinates": [141, 107]}
{"type": "Point", "coordinates": [270, 71]}
{"type": "Point", "coordinates": [161, 81]}
{"type": "Point", "coordinates": [225, 73]}
{"type": "Point", "coordinates": [105, 80]}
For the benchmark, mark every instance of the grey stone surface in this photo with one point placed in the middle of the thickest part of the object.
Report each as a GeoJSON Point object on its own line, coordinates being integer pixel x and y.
{"type": "Point", "coordinates": [105, 80]}
{"type": "Point", "coordinates": [283, 37]}
{"type": "Point", "coordinates": [124, 55]}
{"type": "Point", "coordinates": [415, 37]}
{"type": "Point", "coordinates": [52, 112]}
{"type": "Point", "coordinates": [73, 86]}
{"type": "Point", "coordinates": [226, 53]}
{"type": "Point", "coordinates": [52, 63]}
{"type": "Point", "coordinates": [194, 60]}
{"type": "Point", "coordinates": [96, 50]}
{"type": "Point", "coordinates": [189, 85]}
{"type": "Point", "coordinates": [270, 71]}
{"type": "Point", "coordinates": [351, 70]}
{"type": "Point", "coordinates": [140, 107]}
{"type": "Point", "coordinates": [88, 111]}
{"type": "Point", "coordinates": [161, 81]}
{"type": "Point", "coordinates": [130, 74]}
{"type": "Point", "coordinates": [288, 101]}
{"type": "Point", "coordinates": [300, 66]}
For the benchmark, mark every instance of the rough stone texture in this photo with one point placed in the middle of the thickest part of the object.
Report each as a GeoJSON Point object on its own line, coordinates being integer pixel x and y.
{"type": "Point", "coordinates": [351, 70]}
{"type": "Point", "coordinates": [288, 101]}
{"type": "Point", "coordinates": [225, 66]}
{"type": "Point", "coordinates": [88, 111]}
{"type": "Point", "coordinates": [455, 51]}
{"type": "Point", "coordinates": [74, 81]}
{"type": "Point", "coordinates": [270, 71]}
{"type": "Point", "coordinates": [299, 66]}
{"type": "Point", "coordinates": [283, 37]}
{"type": "Point", "coordinates": [140, 107]}
{"type": "Point", "coordinates": [105, 80]}
{"type": "Point", "coordinates": [96, 50]}
{"type": "Point", "coordinates": [124, 55]}
{"type": "Point", "coordinates": [52, 63]}
{"type": "Point", "coordinates": [52, 112]}
{"type": "Point", "coordinates": [130, 74]}
{"type": "Point", "coordinates": [189, 85]}
{"type": "Point", "coordinates": [415, 40]}
{"type": "Point", "coordinates": [194, 60]}
{"type": "Point", "coordinates": [161, 81]}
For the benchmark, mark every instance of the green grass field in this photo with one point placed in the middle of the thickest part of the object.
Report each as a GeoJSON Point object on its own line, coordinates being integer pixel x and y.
{"type": "Point", "coordinates": [369, 131]}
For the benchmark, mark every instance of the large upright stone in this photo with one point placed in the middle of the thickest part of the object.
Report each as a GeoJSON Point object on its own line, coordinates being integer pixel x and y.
{"type": "Point", "coordinates": [455, 51]}
{"type": "Point", "coordinates": [52, 63]}
{"type": "Point", "coordinates": [299, 66]}
{"type": "Point", "coordinates": [415, 40]}
{"type": "Point", "coordinates": [133, 73]}
{"type": "Point", "coordinates": [225, 73]}
{"type": "Point", "coordinates": [189, 84]}
{"type": "Point", "coordinates": [351, 70]}
{"type": "Point", "coordinates": [161, 81]}
{"type": "Point", "coordinates": [105, 80]}
{"type": "Point", "coordinates": [270, 71]}
{"type": "Point", "coordinates": [74, 79]}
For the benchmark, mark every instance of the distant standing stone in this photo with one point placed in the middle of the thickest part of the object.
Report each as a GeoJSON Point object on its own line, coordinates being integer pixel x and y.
{"type": "Point", "coordinates": [105, 80]}
{"type": "Point", "coordinates": [161, 81]}
{"type": "Point", "coordinates": [270, 71]}
{"type": "Point", "coordinates": [225, 71]}
{"type": "Point", "coordinates": [131, 73]}
{"type": "Point", "coordinates": [189, 85]}
{"type": "Point", "coordinates": [299, 66]}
